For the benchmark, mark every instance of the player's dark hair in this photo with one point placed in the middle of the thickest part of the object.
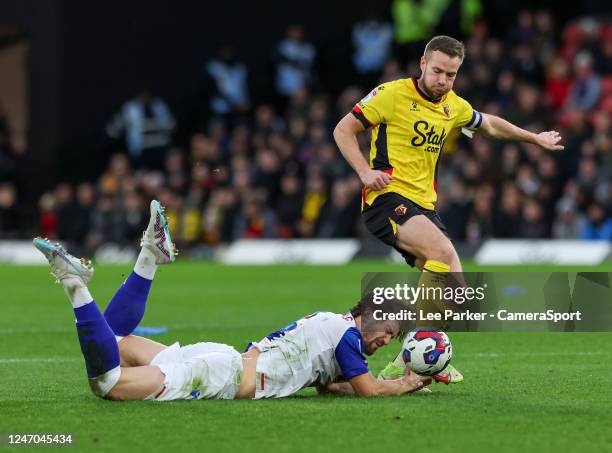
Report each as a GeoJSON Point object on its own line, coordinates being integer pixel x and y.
{"type": "Point", "coordinates": [366, 305]}
{"type": "Point", "coordinates": [446, 44]}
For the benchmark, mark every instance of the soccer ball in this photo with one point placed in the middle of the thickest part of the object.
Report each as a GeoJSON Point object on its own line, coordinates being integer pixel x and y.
{"type": "Point", "coordinates": [426, 352]}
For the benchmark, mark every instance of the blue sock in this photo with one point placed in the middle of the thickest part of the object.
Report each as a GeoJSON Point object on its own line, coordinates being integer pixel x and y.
{"type": "Point", "coordinates": [97, 340]}
{"type": "Point", "coordinates": [126, 309]}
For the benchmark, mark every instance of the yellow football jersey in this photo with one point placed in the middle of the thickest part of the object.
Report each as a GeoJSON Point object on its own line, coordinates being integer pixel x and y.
{"type": "Point", "coordinates": [409, 131]}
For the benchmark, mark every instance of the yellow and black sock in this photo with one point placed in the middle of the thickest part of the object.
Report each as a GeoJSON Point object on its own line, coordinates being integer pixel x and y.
{"type": "Point", "coordinates": [432, 283]}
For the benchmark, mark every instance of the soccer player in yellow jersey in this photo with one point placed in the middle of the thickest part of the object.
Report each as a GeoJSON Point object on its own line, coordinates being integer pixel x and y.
{"type": "Point", "coordinates": [410, 120]}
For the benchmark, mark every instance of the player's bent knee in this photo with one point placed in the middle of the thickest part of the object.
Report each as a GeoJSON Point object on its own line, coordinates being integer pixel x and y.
{"type": "Point", "coordinates": [103, 385]}
{"type": "Point", "coordinates": [443, 252]}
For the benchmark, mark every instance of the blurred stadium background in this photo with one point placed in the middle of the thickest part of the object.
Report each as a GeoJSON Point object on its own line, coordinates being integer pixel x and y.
{"type": "Point", "coordinates": [224, 112]}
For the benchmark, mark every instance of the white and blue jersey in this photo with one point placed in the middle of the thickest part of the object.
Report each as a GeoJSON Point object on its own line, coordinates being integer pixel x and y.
{"type": "Point", "coordinates": [311, 351]}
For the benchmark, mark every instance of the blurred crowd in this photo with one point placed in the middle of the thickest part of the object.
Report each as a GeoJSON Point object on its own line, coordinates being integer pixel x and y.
{"type": "Point", "coordinates": [272, 170]}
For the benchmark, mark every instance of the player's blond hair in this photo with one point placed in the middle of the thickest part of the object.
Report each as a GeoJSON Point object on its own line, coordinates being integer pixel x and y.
{"type": "Point", "coordinates": [447, 45]}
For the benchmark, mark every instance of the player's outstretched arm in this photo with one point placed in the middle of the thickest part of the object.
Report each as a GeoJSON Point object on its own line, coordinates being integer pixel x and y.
{"type": "Point", "coordinates": [498, 128]}
{"type": "Point", "coordinates": [368, 385]}
{"type": "Point", "coordinates": [337, 388]}
{"type": "Point", "coordinates": [345, 135]}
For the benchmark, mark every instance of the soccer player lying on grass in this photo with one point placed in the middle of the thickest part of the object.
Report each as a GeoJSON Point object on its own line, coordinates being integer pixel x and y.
{"type": "Point", "coordinates": [410, 120]}
{"type": "Point", "coordinates": [316, 350]}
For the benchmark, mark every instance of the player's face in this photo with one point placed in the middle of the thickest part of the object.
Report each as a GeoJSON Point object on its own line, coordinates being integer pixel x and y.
{"type": "Point", "coordinates": [375, 340]}
{"type": "Point", "coordinates": [438, 72]}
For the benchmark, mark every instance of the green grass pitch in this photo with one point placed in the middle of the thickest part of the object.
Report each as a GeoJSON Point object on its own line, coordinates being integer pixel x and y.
{"type": "Point", "coordinates": [523, 392]}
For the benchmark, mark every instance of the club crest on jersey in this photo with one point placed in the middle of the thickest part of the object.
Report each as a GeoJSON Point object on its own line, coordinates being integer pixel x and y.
{"type": "Point", "coordinates": [400, 210]}
{"type": "Point", "coordinates": [447, 111]}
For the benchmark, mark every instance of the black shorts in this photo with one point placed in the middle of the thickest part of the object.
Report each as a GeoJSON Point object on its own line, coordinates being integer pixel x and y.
{"type": "Point", "coordinates": [399, 209]}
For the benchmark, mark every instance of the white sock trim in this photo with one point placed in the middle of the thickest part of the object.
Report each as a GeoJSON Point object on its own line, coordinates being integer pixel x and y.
{"type": "Point", "coordinates": [104, 383]}
{"type": "Point", "coordinates": [146, 264]}
{"type": "Point", "coordinates": [77, 292]}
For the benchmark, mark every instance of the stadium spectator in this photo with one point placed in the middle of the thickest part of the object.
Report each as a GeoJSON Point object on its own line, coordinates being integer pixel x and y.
{"type": "Point", "coordinates": [569, 223]}
{"type": "Point", "coordinates": [267, 173]}
{"type": "Point", "coordinates": [219, 216]}
{"type": "Point", "coordinates": [533, 225]}
{"type": "Point", "coordinates": [267, 122]}
{"type": "Point", "coordinates": [227, 83]}
{"type": "Point", "coordinates": [75, 217]}
{"type": "Point", "coordinates": [480, 222]}
{"type": "Point", "coordinates": [47, 220]}
{"type": "Point", "coordinates": [289, 206]}
{"type": "Point", "coordinates": [455, 208]}
{"type": "Point", "coordinates": [527, 109]}
{"type": "Point", "coordinates": [112, 180]}
{"type": "Point", "coordinates": [372, 42]}
{"type": "Point", "coordinates": [135, 215]}
{"type": "Point", "coordinates": [504, 90]}
{"type": "Point", "coordinates": [557, 83]}
{"type": "Point", "coordinates": [545, 36]}
{"type": "Point", "coordinates": [255, 220]}
{"type": "Point", "coordinates": [392, 70]}
{"type": "Point", "coordinates": [175, 171]}
{"type": "Point", "coordinates": [586, 88]}
{"type": "Point", "coordinates": [205, 151]}
{"type": "Point", "coordinates": [525, 64]}
{"type": "Point", "coordinates": [508, 219]}
{"type": "Point", "coordinates": [314, 199]}
{"type": "Point", "coordinates": [107, 224]}
{"type": "Point", "coordinates": [598, 226]}
{"type": "Point", "coordinates": [339, 215]}
{"type": "Point", "coordinates": [295, 61]}
{"type": "Point", "coordinates": [145, 124]}
{"type": "Point", "coordinates": [523, 31]}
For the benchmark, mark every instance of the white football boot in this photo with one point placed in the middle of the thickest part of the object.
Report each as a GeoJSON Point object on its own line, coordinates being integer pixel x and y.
{"type": "Point", "coordinates": [63, 264]}
{"type": "Point", "coordinates": [157, 238]}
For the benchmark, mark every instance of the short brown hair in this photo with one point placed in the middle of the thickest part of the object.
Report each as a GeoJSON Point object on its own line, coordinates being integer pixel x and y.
{"type": "Point", "coordinates": [365, 306]}
{"type": "Point", "coordinates": [446, 44]}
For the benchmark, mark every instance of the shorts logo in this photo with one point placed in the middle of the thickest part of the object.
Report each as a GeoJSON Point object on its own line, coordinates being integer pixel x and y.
{"type": "Point", "coordinates": [447, 111]}
{"type": "Point", "coordinates": [400, 210]}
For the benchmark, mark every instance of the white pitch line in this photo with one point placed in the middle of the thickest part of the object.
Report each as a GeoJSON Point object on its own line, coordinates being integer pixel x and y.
{"type": "Point", "coordinates": [11, 330]}
{"type": "Point", "coordinates": [38, 360]}
{"type": "Point", "coordinates": [216, 326]}
{"type": "Point", "coordinates": [533, 354]}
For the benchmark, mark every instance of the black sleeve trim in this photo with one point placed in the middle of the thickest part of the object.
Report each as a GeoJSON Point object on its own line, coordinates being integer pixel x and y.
{"type": "Point", "coordinates": [361, 117]}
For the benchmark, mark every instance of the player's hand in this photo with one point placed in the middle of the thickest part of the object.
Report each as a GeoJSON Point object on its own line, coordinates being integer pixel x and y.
{"type": "Point", "coordinates": [412, 381]}
{"type": "Point", "coordinates": [548, 140]}
{"type": "Point", "coordinates": [375, 179]}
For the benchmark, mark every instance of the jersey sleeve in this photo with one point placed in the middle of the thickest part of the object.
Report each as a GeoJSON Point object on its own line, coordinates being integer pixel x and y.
{"type": "Point", "coordinates": [468, 117]}
{"type": "Point", "coordinates": [376, 107]}
{"type": "Point", "coordinates": [349, 354]}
